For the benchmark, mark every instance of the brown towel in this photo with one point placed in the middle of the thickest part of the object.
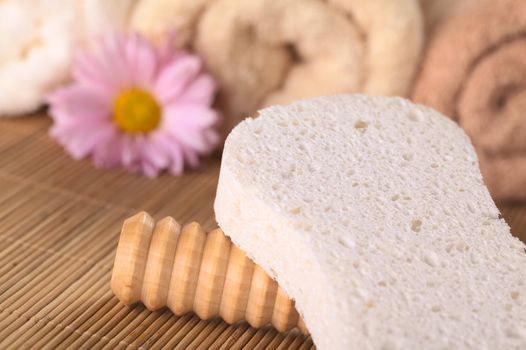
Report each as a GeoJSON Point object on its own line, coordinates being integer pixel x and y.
{"type": "Point", "coordinates": [475, 72]}
{"type": "Point", "coordinates": [435, 11]}
{"type": "Point", "coordinates": [268, 51]}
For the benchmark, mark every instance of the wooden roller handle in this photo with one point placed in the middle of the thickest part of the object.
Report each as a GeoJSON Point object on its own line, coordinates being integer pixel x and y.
{"type": "Point", "coordinates": [187, 270]}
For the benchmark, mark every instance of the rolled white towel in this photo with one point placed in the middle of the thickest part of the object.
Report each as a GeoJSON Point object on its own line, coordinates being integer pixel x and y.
{"type": "Point", "coordinates": [37, 42]}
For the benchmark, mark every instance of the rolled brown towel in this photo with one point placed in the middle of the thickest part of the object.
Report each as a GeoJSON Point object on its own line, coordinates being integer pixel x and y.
{"type": "Point", "coordinates": [474, 71]}
{"type": "Point", "coordinates": [435, 11]}
{"type": "Point", "coordinates": [267, 51]}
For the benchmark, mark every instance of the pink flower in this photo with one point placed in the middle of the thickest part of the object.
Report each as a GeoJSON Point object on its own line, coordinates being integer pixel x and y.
{"type": "Point", "coordinates": [133, 104]}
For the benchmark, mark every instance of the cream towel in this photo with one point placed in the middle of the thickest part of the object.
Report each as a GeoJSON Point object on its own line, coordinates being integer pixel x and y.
{"type": "Point", "coordinates": [264, 51]}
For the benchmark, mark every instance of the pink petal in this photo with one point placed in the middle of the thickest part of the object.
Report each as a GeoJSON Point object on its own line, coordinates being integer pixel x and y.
{"type": "Point", "coordinates": [191, 157]}
{"type": "Point", "coordinates": [170, 145]}
{"type": "Point", "coordinates": [91, 71]}
{"type": "Point", "coordinates": [108, 154]}
{"type": "Point", "coordinates": [192, 140]}
{"type": "Point", "coordinates": [156, 155]}
{"type": "Point", "coordinates": [114, 52]}
{"type": "Point", "coordinates": [77, 101]}
{"type": "Point", "coordinates": [130, 151]}
{"type": "Point", "coordinates": [143, 61]}
{"type": "Point", "coordinates": [187, 123]}
{"type": "Point", "coordinates": [71, 129]}
{"type": "Point", "coordinates": [148, 168]}
{"type": "Point", "coordinates": [166, 51]}
{"type": "Point", "coordinates": [131, 48]}
{"type": "Point", "coordinates": [200, 91]}
{"type": "Point", "coordinates": [85, 144]}
{"type": "Point", "coordinates": [119, 62]}
{"type": "Point", "coordinates": [175, 77]}
{"type": "Point", "coordinates": [189, 117]}
{"type": "Point", "coordinates": [212, 138]}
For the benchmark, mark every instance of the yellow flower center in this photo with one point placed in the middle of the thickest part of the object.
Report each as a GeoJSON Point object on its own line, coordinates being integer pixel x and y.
{"type": "Point", "coordinates": [136, 111]}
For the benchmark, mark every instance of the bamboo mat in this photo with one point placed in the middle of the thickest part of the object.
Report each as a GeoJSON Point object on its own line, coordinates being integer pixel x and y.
{"type": "Point", "coordinates": [59, 227]}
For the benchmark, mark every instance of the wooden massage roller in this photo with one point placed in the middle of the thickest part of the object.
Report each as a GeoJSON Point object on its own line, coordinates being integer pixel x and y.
{"type": "Point", "coordinates": [187, 270]}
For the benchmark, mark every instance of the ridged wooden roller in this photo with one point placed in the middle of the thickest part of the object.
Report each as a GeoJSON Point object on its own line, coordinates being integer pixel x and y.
{"type": "Point", "coordinates": [187, 270]}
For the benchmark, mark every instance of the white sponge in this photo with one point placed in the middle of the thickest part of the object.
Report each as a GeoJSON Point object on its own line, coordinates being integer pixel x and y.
{"type": "Point", "coordinates": [372, 214]}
